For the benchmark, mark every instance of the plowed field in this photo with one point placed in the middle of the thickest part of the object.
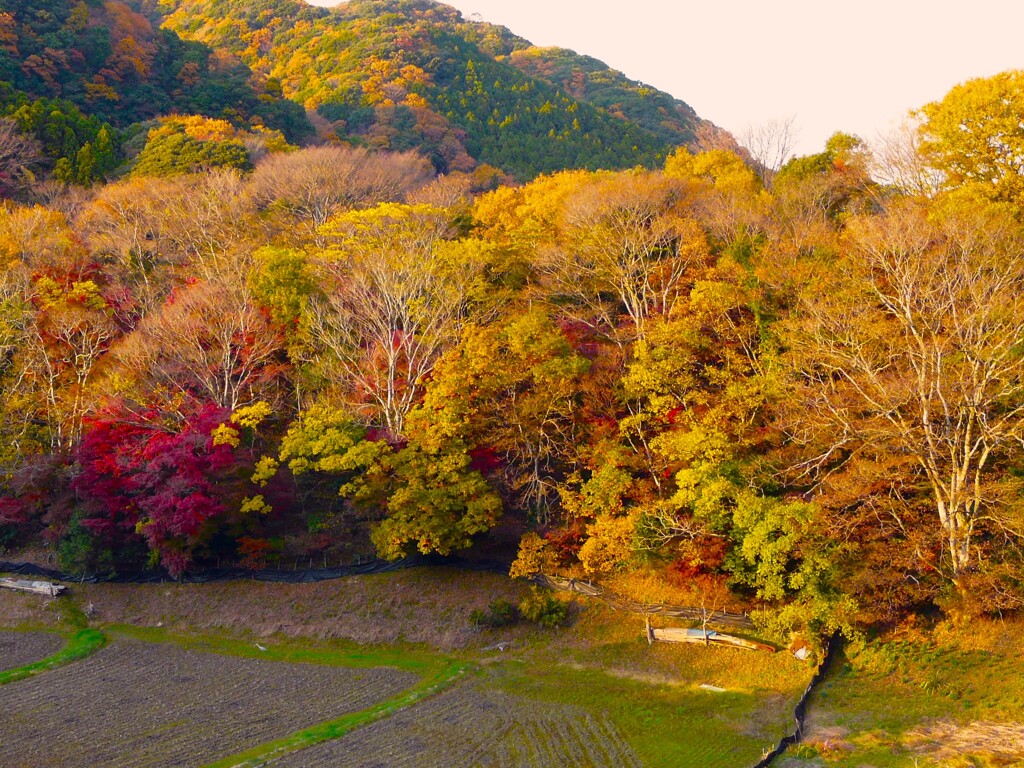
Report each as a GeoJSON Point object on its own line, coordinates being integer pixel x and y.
{"type": "Point", "coordinates": [20, 648]}
{"type": "Point", "coordinates": [140, 704]}
{"type": "Point", "coordinates": [470, 726]}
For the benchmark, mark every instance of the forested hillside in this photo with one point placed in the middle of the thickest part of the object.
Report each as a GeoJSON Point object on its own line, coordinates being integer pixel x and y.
{"type": "Point", "coordinates": [797, 391]}
{"type": "Point", "coordinates": [587, 79]}
{"type": "Point", "coordinates": [113, 64]}
{"type": "Point", "coordinates": [81, 76]}
{"type": "Point", "coordinates": [403, 74]}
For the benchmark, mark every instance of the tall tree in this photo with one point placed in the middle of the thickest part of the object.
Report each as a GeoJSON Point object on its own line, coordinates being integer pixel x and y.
{"type": "Point", "coordinates": [312, 185]}
{"type": "Point", "coordinates": [398, 297]}
{"type": "Point", "coordinates": [209, 342]}
{"type": "Point", "coordinates": [124, 226]}
{"type": "Point", "coordinates": [18, 153]}
{"type": "Point", "coordinates": [516, 387]}
{"type": "Point", "coordinates": [911, 346]}
{"type": "Point", "coordinates": [73, 330]}
{"type": "Point", "coordinates": [624, 255]}
{"type": "Point", "coordinates": [974, 136]}
{"type": "Point", "coordinates": [770, 145]}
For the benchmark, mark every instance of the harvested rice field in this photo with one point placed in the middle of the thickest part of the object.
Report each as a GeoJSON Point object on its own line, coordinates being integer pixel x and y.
{"type": "Point", "coordinates": [20, 648]}
{"type": "Point", "coordinates": [471, 726]}
{"type": "Point", "coordinates": [243, 673]}
{"type": "Point", "coordinates": [140, 704]}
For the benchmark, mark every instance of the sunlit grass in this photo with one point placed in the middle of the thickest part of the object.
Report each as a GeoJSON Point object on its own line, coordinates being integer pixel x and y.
{"type": "Point", "coordinates": [339, 653]}
{"type": "Point", "coordinates": [872, 708]}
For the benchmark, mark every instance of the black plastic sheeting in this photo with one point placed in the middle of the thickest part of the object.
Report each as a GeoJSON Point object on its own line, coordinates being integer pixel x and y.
{"type": "Point", "coordinates": [800, 711]}
{"type": "Point", "coordinates": [235, 574]}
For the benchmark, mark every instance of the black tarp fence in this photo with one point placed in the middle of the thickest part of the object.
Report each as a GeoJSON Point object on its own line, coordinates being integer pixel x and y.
{"type": "Point", "coordinates": [274, 575]}
{"type": "Point", "coordinates": [800, 711]}
{"type": "Point", "coordinates": [312, 575]}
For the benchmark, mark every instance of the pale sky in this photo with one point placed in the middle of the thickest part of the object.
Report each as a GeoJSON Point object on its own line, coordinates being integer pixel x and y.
{"type": "Point", "coordinates": [857, 67]}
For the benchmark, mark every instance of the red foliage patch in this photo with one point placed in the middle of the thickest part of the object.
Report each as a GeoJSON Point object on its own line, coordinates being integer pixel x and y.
{"type": "Point", "coordinates": [566, 542]}
{"type": "Point", "coordinates": [484, 460]}
{"type": "Point", "coordinates": [704, 558]}
{"type": "Point", "coordinates": [139, 476]}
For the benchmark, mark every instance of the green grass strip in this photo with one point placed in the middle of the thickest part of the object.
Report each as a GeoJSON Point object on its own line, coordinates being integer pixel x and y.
{"type": "Point", "coordinates": [334, 729]}
{"type": "Point", "coordinates": [82, 643]}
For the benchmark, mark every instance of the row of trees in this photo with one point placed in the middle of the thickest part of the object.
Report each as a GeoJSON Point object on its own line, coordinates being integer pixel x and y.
{"type": "Point", "coordinates": [803, 385]}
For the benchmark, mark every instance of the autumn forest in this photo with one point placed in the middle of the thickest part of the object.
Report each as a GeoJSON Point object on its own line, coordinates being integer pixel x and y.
{"type": "Point", "coordinates": [287, 285]}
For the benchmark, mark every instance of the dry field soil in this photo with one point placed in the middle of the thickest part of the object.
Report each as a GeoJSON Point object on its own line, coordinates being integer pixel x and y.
{"type": "Point", "coordinates": [140, 705]}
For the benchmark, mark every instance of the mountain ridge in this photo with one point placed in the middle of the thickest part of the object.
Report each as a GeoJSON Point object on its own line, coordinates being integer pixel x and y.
{"type": "Point", "coordinates": [402, 74]}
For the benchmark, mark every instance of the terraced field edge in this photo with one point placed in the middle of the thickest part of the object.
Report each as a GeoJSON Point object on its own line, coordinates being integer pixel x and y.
{"type": "Point", "coordinates": [334, 729]}
{"type": "Point", "coordinates": [80, 645]}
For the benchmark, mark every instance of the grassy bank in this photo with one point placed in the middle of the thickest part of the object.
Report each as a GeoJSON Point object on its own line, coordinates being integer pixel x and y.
{"type": "Point", "coordinates": [952, 696]}
{"type": "Point", "coordinates": [80, 644]}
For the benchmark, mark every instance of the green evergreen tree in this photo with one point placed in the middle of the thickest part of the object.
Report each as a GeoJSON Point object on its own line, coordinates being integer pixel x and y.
{"type": "Point", "coordinates": [86, 165]}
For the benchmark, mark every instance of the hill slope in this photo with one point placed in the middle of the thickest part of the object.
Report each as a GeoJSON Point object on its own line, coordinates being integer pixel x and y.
{"type": "Point", "coordinates": [399, 74]}
{"type": "Point", "coordinates": [110, 62]}
{"type": "Point", "coordinates": [588, 79]}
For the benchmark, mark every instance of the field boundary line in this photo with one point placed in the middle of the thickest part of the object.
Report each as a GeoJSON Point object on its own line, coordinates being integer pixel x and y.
{"type": "Point", "coordinates": [334, 729]}
{"type": "Point", "coordinates": [800, 711]}
{"type": "Point", "coordinates": [80, 645]}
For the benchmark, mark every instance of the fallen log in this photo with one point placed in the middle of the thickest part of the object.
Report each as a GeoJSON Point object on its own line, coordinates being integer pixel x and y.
{"type": "Point", "coordinates": [706, 637]}
{"type": "Point", "coordinates": [47, 588]}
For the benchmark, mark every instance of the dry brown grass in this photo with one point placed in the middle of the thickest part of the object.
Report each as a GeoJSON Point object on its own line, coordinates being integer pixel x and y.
{"type": "Point", "coordinates": [421, 605]}
{"type": "Point", "coordinates": [946, 740]}
{"type": "Point", "coordinates": [429, 606]}
{"type": "Point", "coordinates": [18, 609]}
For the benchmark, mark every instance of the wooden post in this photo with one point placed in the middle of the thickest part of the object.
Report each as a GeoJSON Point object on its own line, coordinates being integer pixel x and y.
{"type": "Point", "coordinates": [650, 632]}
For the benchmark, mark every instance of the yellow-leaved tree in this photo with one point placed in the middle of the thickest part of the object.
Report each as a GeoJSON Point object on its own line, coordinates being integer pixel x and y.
{"type": "Point", "coordinates": [975, 138]}
{"type": "Point", "coordinates": [398, 294]}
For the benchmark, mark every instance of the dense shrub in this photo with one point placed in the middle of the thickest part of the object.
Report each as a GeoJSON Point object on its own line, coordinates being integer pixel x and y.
{"type": "Point", "coordinates": [500, 613]}
{"type": "Point", "coordinates": [543, 608]}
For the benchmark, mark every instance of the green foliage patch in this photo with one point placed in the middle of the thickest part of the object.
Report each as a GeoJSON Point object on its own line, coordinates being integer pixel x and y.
{"type": "Point", "coordinates": [499, 613]}
{"type": "Point", "coordinates": [543, 608]}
